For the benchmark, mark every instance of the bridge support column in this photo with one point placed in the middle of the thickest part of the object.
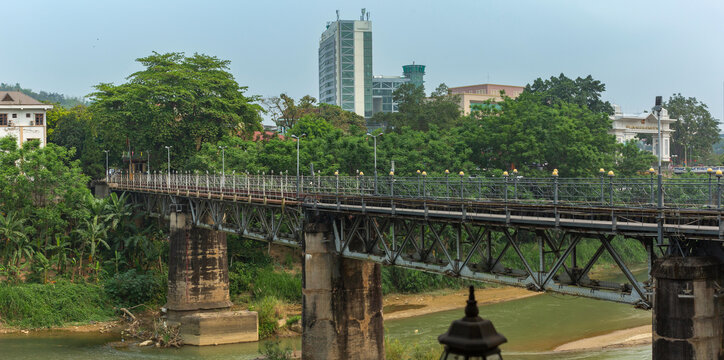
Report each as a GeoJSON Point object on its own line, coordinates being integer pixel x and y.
{"type": "Point", "coordinates": [101, 190]}
{"type": "Point", "coordinates": [198, 287]}
{"type": "Point", "coordinates": [688, 315]}
{"type": "Point", "coordinates": [342, 302]}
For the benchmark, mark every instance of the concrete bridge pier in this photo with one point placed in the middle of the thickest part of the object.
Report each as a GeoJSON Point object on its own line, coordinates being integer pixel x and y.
{"type": "Point", "coordinates": [688, 309]}
{"type": "Point", "coordinates": [198, 287]}
{"type": "Point", "coordinates": [342, 301]}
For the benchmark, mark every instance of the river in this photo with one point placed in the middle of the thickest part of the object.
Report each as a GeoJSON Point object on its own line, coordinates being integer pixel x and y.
{"type": "Point", "coordinates": [533, 326]}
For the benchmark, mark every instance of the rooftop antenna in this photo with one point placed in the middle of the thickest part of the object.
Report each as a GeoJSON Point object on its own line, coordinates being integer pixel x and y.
{"type": "Point", "coordinates": [362, 17]}
{"type": "Point", "coordinates": [368, 16]}
{"type": "Point", "coordinates": [337, 15]}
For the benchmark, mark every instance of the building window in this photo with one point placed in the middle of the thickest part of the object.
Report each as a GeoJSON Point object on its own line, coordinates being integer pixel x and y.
{"type": "Point", "coordinates": [38, 119]}
{"type": "Point", "coordinates": [15, 116]}
{"type": "Point", "coordinates": [3, 119]}
{"type": "Point", "coordinates": [27, 115]}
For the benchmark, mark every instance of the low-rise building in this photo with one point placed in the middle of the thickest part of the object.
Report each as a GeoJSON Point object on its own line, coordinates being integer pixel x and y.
{"type": "Point", "coordinates": [23, 117]}
{"type": "Point", "coordinates": [626, 126]}
{"type": "Point", "coordinates": [473, 97]}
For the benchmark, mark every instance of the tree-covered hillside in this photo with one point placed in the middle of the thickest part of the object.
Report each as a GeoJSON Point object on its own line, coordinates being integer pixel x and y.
{"type": "Point", "coordinates": [44, 96]}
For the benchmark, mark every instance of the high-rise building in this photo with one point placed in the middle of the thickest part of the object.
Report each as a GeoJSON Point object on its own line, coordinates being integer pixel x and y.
{"type": "Point", "coordinates": [384, 86]}
{"type": "Point", "coordinates": [415, 73]}
{"type": "Point", "coordinates": [345, 65]}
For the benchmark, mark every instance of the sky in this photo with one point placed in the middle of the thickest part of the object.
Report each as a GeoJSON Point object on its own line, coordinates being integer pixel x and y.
{"type": "Point", "coordinates": [639, 49]}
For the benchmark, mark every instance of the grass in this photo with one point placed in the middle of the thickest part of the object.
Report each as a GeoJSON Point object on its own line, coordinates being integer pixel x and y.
{"type": "Point", "coordinates": [31, 306]}
{"type": "Point", "coordinates": [269, 311]}
{"type": "Point", "coordinates": [396, 350]}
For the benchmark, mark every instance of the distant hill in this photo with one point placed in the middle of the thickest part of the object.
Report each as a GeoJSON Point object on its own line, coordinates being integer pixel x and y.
{"type": "Point", "coordinates": [55, 98]}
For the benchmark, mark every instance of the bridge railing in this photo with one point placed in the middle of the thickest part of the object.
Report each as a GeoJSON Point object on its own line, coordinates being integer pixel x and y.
{"type": "Point", "coordinates": [694, 193]}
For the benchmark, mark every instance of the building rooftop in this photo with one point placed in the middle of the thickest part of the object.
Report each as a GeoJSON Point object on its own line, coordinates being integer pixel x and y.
{"type": "Point", "coordinates": [17, 98]}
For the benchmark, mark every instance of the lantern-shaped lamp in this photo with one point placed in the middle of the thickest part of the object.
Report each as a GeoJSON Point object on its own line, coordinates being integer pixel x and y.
{"type": "Point", "coordinates": [472, 337]}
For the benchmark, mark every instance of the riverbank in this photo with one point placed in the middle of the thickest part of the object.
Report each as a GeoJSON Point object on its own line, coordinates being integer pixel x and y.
{"type": "Point", "coordinates": [400, 306]}
{"type": "Point", "coordinates": [640, 335]}
{"type": "Point", "coordinates": [100, 327]}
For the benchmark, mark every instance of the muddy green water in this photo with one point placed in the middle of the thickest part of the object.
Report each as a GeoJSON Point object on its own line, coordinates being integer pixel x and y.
{"type": "Point", "coordinates": [533, 326]}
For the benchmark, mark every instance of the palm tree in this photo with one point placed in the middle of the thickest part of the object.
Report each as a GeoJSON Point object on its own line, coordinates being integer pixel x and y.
{"type": "Point", "coordinates": [116, 210]}
{"type": "Point", "coordinates": [92, 234]}
{"type": "Point", "coordinates": [13, 235]}
{"type": "Point", "coordinates": [61, 247]}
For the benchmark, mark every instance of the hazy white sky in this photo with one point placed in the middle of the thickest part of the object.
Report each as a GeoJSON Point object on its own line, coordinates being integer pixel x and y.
{"type": "Point", "coordinates": [639, 49]}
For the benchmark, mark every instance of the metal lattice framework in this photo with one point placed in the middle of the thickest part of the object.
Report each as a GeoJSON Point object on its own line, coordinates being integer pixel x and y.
{"type": "Point", "coordinates": [474, 228]}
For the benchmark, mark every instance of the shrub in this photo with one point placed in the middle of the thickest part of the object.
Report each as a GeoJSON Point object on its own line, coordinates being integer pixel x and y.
{"type": "Point", "coordinates": [403, 280]}
{"type": "Point", "coordinates": [279, 284]}
{"type": "Point", "coordinates": [131, 288]}
{"type": "Point", "coordinates": [46, 305]}
{"type": "Point", "coordinates": [273, 351]}
{"type": "Point", "coordinates": [267, 309]}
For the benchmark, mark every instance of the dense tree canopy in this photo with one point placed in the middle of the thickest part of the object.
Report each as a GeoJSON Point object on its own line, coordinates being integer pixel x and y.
{"type": "Point", "coordinates": [178, 100]}
{"type": "Point", "coordinates": [418, 112]}
{"type": "Point", "coordinates": [585, 92]}
{"type": "Point", "coordinates": [285, 113]}
{"type": "Point", "coordinates": [696, 131]}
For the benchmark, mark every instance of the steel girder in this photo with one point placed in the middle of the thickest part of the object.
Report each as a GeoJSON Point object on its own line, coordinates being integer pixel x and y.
{"type": "Point", "coordinates": [274, 223]}
{"type": "Point", "coordinates": [458, 246]}
{"type": "Point", "coordinates": [482, 252]}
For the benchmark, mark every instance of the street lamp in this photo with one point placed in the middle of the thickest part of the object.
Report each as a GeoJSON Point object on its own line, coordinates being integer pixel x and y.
{"type": "Point", "coordinates": [660, 235]}
{"type": "Point", "coordinates": [375, 137]}
{"type": "Point", "coordinates": [299, 140]}
{"type": "Point", "coordinates": [168, 150]}
{"type": "Point", "coordinates": [471, 337]}
{"type": "Point", "coordinates": [223, 160]}
{"type": "Point", "coordinates": [106, 151]}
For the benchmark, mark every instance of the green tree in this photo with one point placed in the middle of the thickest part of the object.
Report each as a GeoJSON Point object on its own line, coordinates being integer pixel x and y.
{"type": "Point", "coordinates": [526, 134]}
{"type": "Point", "coordinates": [633, 160]}
{"type": "Point", "coordinates": [13, 234]}
{"type": "Point", "coordinates": [75, 128]}
{"type": "Point", "coordinates": [585, 92]}
{"type": "Point", "coordinates": [178, 100]}
{"type": "Point", "coordinates": [441, 110]}
{"type": "Point", "coordinates": [695, 131]}
{"type": "Point", "coordinates": [92, 233]}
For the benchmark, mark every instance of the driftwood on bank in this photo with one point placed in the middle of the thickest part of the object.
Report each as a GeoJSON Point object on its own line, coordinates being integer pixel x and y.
{"type": "Point", "coordinates": [162, 334]}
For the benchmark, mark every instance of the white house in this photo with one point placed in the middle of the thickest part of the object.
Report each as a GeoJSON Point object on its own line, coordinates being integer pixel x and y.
{"type": "Point", "coordinates": [627, 126]}
{"type": "Point", "coordinates": [22, 117]}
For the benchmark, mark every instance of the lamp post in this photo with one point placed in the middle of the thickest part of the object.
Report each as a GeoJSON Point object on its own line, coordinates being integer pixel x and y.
{"type": "Point", "coordinates": [660, 223]}
{"type": "Point", "coordinates": [471, 337]}
{"type": "Point", "coordinates": [106, 151]}
{"type": "Point", "coordinates": [299, 140]}
{"type": "Point", "coordinates": [375, 137]}
{"type": "Point", "coordinates": [710, 172]}
{"type": "Point", "coordinates": [223, 165]}
{"type": "Point", "coordinates": [168, 162]}
{"type": "Point", "coordinates": [651, 174]}
{"type": "Point", "coordinates": [223, 160]}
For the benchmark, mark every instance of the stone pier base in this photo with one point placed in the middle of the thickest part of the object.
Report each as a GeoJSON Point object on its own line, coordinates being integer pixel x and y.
{"type": "Point", "coordinates": [342, 302]}
{"type": "Point", "coordinates": [688, 314]}
{"type": "Point", "coordinates": [198, 287]}
{"type": "Point", "coordinates": [216, 327]}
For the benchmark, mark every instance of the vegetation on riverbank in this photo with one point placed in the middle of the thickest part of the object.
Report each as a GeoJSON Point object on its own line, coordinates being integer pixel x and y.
{"type": "Point", "coordinates": [54, 304]}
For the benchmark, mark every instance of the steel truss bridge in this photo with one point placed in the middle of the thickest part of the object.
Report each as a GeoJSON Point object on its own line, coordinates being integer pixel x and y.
{"type": "Point", "coordinates": [468, 227]}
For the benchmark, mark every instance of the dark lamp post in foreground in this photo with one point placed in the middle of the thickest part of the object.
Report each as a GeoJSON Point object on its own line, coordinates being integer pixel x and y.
{"type": "Point", "coordinates": [471, 337]}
